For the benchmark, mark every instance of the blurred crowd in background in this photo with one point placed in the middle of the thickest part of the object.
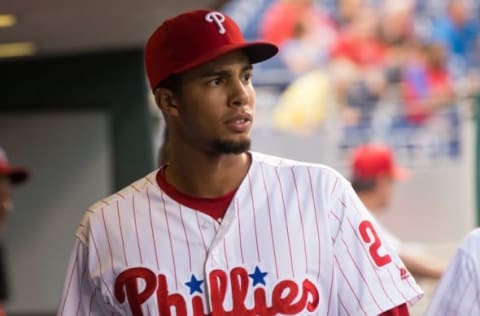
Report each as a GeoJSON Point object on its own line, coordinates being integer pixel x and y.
{"type": "Point", "coordinates": [382, 68]}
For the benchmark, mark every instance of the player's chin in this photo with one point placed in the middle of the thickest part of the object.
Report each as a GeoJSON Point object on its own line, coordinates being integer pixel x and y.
{"type": "Point", "coordinates": [232, 146]}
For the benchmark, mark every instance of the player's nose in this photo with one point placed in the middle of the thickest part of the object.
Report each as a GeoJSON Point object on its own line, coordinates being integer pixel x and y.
{"type": "Point", "coordinates": [240, 93]}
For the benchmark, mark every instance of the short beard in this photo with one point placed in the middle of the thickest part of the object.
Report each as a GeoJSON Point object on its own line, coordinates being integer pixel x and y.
{"type": "Point", "coordinates": [230, 147]}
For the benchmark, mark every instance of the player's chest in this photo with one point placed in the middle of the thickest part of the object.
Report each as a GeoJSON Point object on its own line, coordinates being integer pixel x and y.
{"type": "Point", "coordinates": [194, 264]}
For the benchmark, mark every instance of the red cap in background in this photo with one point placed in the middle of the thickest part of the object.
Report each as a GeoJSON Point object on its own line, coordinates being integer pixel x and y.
{"type": "Point", "coordinates": [372, 161]}
{"type": "Point", "coordinates": [16, 174]}
{"type": "Point", "coordinates": [193, 38]}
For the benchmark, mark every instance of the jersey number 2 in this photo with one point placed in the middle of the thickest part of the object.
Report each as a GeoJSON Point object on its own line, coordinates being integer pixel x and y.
{"type": "Point", "coordinates": [370, 237]}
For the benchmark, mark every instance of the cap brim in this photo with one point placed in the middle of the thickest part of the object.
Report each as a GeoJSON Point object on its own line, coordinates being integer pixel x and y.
{"type": "Point", "coordinates": [257, 51]}
{"type": "Point", "coordinates": [401, 174]}
{"type": "Point", "coordinates": [260, 51]}
{"type": "Point", "coordinates": [17, 175]}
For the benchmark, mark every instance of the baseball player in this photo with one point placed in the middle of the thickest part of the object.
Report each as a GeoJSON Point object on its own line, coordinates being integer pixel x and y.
{"type": "Point", "coordinates": [373, 175]}
{"type": "Point", "coordinates": [222, 230]}
{"type": "Point", "coordinates": [457, 292]}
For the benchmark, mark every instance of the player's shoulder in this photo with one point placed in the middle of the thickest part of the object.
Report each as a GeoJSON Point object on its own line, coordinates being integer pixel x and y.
{"type": "Point", "coordinates": [471, 242]}
{"type": "Point", "coordinates": [315, 169]}
{"type": "Point", "coordinates": [137, 188]}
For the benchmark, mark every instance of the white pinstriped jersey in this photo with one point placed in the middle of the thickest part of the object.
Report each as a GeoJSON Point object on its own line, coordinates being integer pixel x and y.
{"type": "Point", "coordinates": [458, 292]}
{"type": "Point", "coordinates": [295, 240]}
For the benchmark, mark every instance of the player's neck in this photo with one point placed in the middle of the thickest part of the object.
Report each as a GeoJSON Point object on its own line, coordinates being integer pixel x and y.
{"type": "Point", "coordinates": [207, 176]}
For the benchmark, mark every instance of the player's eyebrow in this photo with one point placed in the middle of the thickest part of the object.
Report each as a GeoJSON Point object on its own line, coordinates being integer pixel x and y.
{"type": "Point", "coordinates": [211, 72]}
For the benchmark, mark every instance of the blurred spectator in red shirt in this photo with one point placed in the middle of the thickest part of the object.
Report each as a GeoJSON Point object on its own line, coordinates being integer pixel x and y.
{"type": "Point", "coordinates": [359, 41]}
{"type": "Point", "coordinates": [281, 17]}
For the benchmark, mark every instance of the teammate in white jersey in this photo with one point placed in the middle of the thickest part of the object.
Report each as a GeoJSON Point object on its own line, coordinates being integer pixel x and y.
{"type": "Point", "coordinates": [221, 230]}
{"type": "Point", "coordinates": [459, 288]}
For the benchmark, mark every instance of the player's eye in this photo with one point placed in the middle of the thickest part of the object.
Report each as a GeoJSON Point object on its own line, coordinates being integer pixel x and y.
{"type": "Point", "coordinates": [247, 77]}
{"type": "Point", "coordinates": [216, 81]}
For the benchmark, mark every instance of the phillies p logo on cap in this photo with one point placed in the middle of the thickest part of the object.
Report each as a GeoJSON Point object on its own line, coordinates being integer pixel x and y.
{"type": "Point", "coordinates": [218, 18]}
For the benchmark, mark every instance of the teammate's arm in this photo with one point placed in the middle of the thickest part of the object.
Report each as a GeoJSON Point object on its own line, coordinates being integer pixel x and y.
{"type": "Point", "coordinates": [422, 265]}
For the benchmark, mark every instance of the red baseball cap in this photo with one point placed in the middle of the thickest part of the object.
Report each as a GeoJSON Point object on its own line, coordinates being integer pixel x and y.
{"type": "Point", "coordinates": [371, 161]}
{"type": "Point", "coordinates": [193, 38]}
{"type": "Point", "coordinates": [16, 174]}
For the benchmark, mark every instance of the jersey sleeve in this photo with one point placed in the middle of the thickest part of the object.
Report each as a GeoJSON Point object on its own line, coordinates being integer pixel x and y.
{"type": "Point", "coordinates": [458, 290]}
{"type": "Point", "coordinates": [370, 276]}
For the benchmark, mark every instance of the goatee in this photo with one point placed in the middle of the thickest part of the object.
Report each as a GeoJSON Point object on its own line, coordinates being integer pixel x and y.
{"type": "Point", "coordinates": [230, 147]}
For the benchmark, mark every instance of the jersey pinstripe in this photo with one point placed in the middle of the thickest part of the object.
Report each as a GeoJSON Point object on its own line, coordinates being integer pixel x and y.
{"type": "Point", "coordinates": [294, 240]}
{"type": "Point", "coordinates": [458, 292]}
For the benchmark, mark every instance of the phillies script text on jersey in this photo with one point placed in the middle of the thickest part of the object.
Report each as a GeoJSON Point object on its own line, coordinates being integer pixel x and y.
{"type": "Point", "coordinates": [287, 297]}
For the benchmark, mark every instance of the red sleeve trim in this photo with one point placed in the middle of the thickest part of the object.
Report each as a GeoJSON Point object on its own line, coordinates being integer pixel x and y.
{"type": "Point", "coordinates": [401, 310]}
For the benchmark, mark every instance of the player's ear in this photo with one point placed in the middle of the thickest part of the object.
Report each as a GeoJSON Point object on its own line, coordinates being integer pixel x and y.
{"type": "Point", "coordinates": [166, 101]}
